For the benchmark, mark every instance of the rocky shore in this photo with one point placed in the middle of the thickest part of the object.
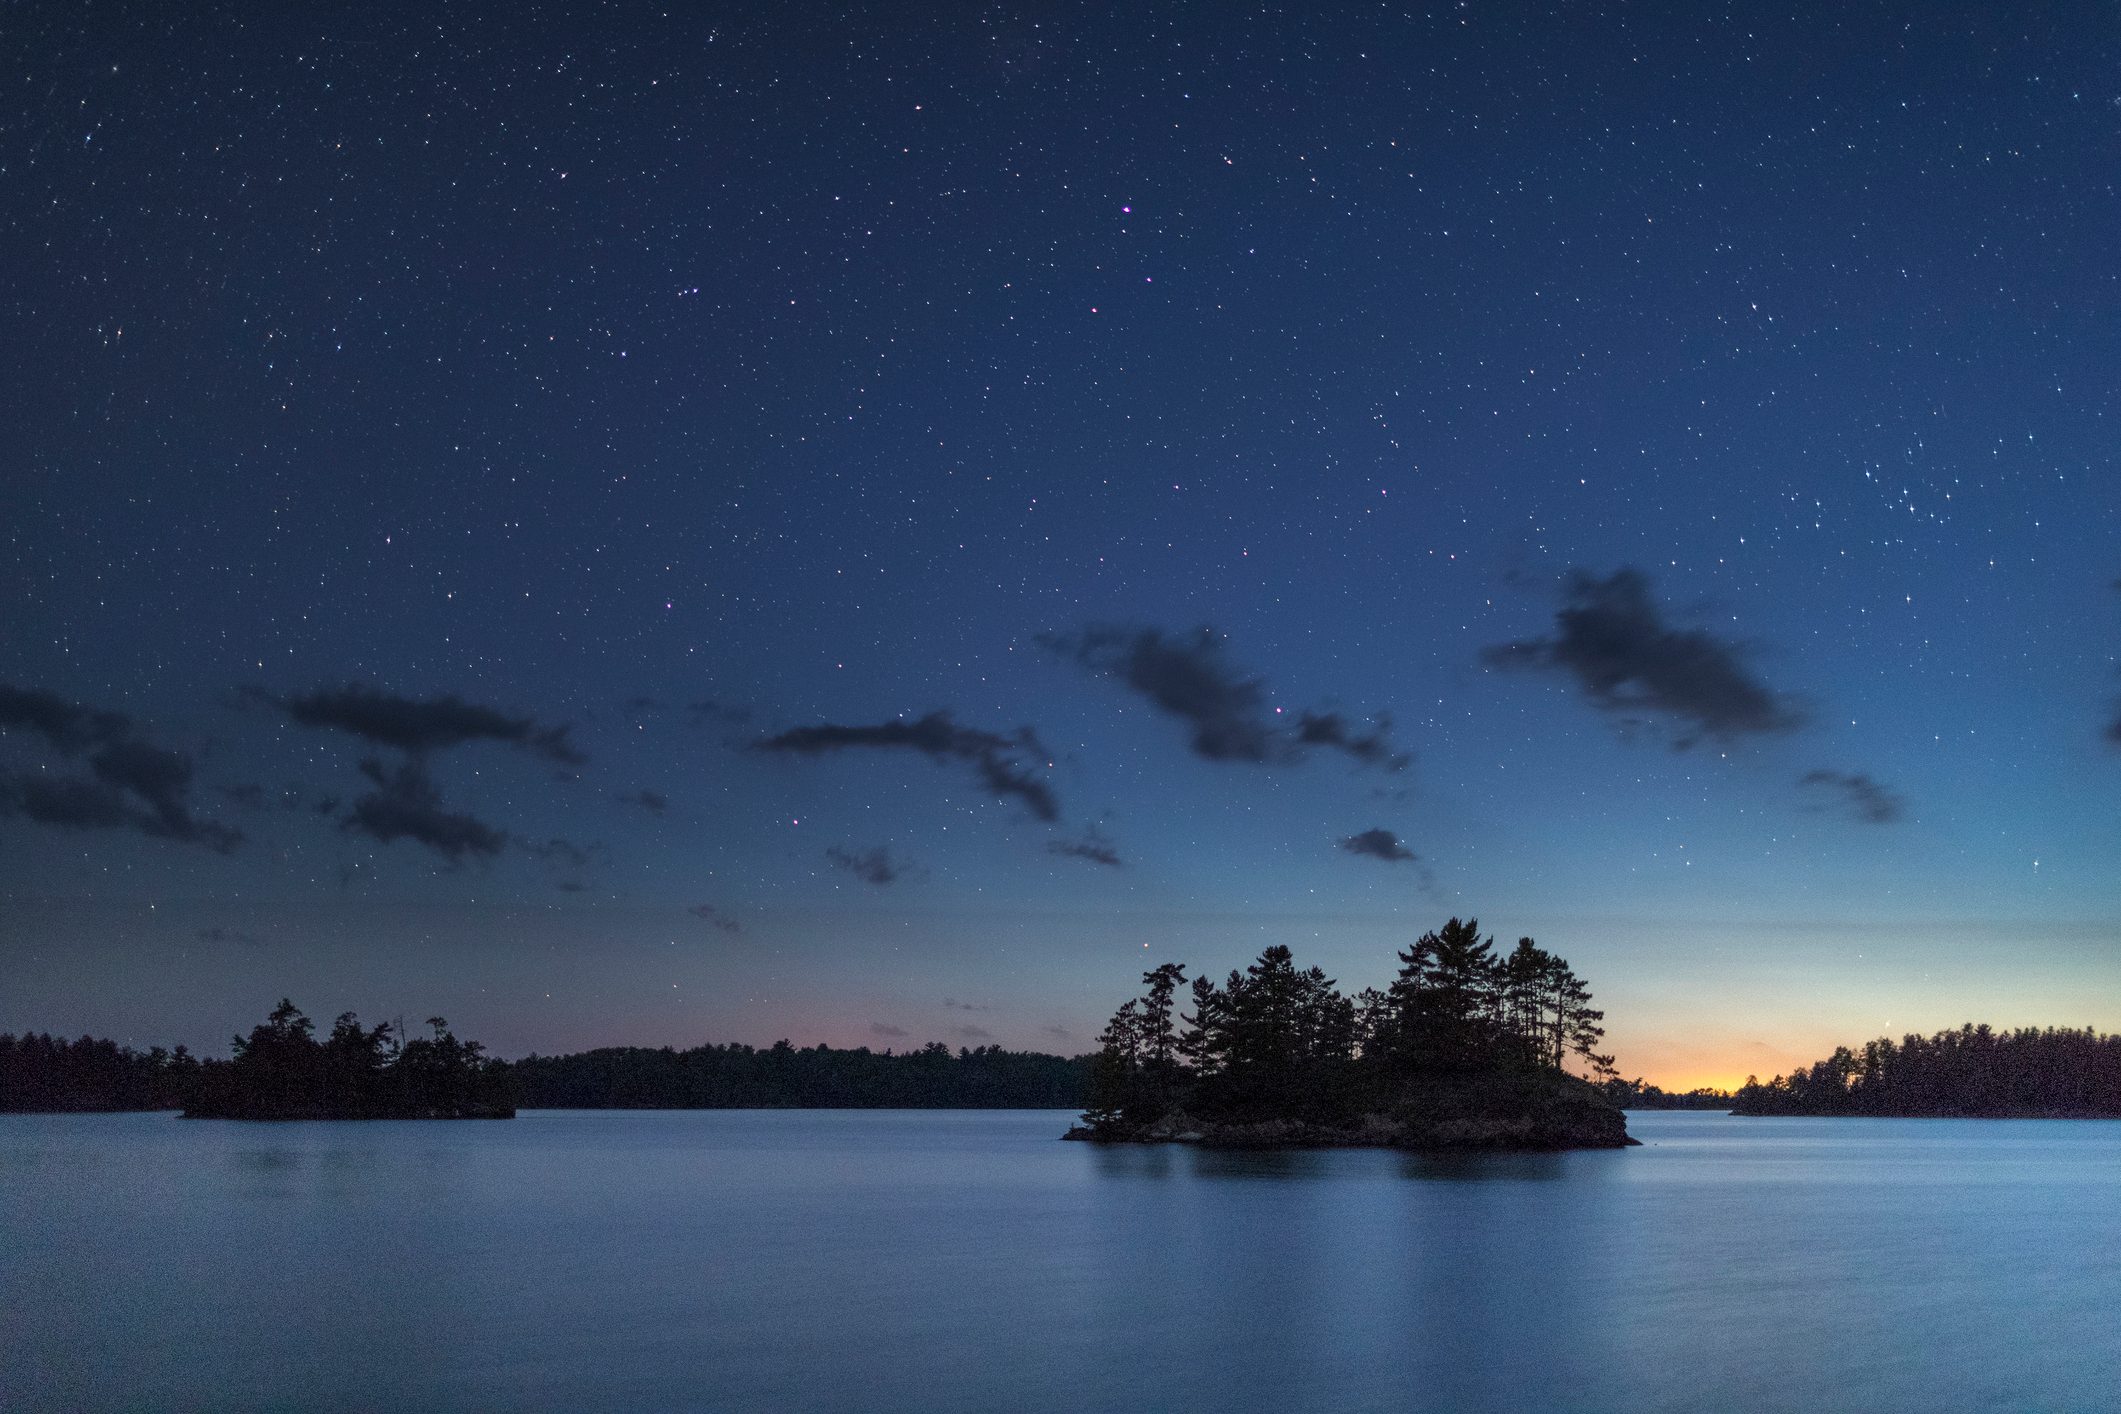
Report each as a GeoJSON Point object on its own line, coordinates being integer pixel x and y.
{"type": "Point", "coordinates": [1539, 1114]}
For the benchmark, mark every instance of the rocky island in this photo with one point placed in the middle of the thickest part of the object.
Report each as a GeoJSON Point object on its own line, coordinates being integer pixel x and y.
{"type": "Point", "coordinates": [1464, 1050]}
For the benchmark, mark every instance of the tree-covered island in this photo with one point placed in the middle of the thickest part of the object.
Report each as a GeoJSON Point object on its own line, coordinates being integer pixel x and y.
{"type": "Point", "coordinates": [1464, 1050]}
{"type": "Point", "coordinates": [282, 1071]}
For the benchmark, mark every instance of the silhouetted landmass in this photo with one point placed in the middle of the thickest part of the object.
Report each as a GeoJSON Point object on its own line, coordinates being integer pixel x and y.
{"type": "Point", "coordinates": [1635, 1095]}
{"type": "Point", "coordinates": [1973, 1072]}
{"type": "Point", "coordinates": [782, 1076]}
{"type": "Point", "coordinates": [281, 1071]}
{"type": "Point", "coordinates": [1463, 1050]}
{"type": "Point", "coordinates": [39, 1073]}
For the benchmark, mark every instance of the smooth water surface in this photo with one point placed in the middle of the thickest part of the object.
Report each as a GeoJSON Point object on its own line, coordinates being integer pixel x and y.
{"type": "Point", "coordinates": [860, 1261]}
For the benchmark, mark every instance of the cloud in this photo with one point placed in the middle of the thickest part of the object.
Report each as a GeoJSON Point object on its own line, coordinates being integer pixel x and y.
{"type": "Point", "coordinates": [1371, 748]}
{"type": "Point", "coordinates": [886, 1030]}
{"type": "Point", "coordinates": [2113, 729]}
{"type": "Point", "coordinates": [1186, 677]}
{"type": "Point", "coordinates": [715, 918]}
{"type": "Point", "coordinates": [1864, 797]}
{"type": "Point", "coordinates": [67, 802]}
{"type": "Point", "coordinates": [229, 935]}
{"type": "Point", "coordinates": [975, 1033]}
{"type": "Point", "coordinates": [1058, 1033]}
{"type": "Point", "coordinates": [572, 886]}
{"type": "Point", "coordinates": [1093, 847]}
{"type": "Point", "coordinates": [999, 761]}
{"type": "Point", "coordinates": [652, 801]}
{"type": "Point", "coordinates": [1612, 639]}
{"type": "Point", "coordinates": [417, 726]}
{"type": "Point", "coordinates": [406, 805]}
{"type": "Point", "coordinates": [952, 1004]}
{"type": "Point", "coordinates": [1379, 844]}
{"type": "Point", "coordinates": [70, 727]}
{"type": "Point", "coordinates": [871, 866]}
{"type": "Point", "coordinates": [132, 784]}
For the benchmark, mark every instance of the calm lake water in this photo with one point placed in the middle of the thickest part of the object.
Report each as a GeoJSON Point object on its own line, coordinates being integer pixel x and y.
{"type": "Point", "coordinates": [862, 1261]}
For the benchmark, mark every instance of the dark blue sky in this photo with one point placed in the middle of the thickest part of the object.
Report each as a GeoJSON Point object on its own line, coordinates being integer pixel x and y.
{"type": "Point", "coordinates": [1667, 453]}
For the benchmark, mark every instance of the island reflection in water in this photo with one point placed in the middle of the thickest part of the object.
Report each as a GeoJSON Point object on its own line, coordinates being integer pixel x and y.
{"type": "Point", "coordinates": [964, 1260]}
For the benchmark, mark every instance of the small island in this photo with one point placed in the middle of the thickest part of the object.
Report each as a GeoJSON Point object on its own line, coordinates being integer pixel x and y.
{"type": "Point", "coordinates": [1975, 1072]}
{"type": "Point", "coordinates": [282, 1072]}
{"type": "Point", "coordinates": [1464, 1050]}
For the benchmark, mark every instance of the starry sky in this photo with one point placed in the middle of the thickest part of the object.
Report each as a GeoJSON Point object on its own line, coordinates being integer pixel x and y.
{"type": "Point", "coordinates": [635, 524]}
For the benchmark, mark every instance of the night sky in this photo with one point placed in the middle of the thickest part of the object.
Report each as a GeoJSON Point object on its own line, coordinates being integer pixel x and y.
{"type": "Point", "coordinates": [868, 526]}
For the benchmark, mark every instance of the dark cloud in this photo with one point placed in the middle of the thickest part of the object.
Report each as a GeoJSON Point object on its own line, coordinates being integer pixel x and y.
{"type": "Point", "coordinates": [1371, 748]}
{"type": "Point", "coordinates": [1004, 764]}
{"type": "Point", "coordinates": [229, 935]}
{"type": "Point", "coordinates": [1093, 846]}
{"type": "Point", "coordinates": [715, 918]}
{"type": "Point", "coordinates": [1379, 844]}
{"type": "Point", "coordinates": [871, 866]}
{"type": "Point", "coordinates": [1613, 640]}
{"type": "Point", "coordinates": [136, 784]}
{"type": "Point", "coordinates": [2113, 729]}
{"type": "Point", "coordinates": [572, 886]}
{"type": "Point", "coordinates": [250, 797]}
{"type": "Point", "coordinates": [886, 1030]}
{"type": "Point", "coordinates": [66, 802]}
{"type": "Point", "coordinates": [1059, 1033]}
{"type": "Point", "coordinates": [652, 801]}
{"type": "Point", "coordinates": [953, 1004]}
{"type": "Point", "coordinates": [417, 726]}
{"type": "Point", "coordinates": [975, 1033]}
{"type": "Point", "coordinates": [1186, 677]}
{"type": "Point", "coordinates": [70, 727]}
{"type": "Point", "coordinates": [406, 805]}
{"type": "Point", "coordinates": [1864, 797]}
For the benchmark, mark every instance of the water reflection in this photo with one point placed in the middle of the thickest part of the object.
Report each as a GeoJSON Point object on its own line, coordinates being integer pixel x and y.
{"type": "Point", "coordinates": [917, 1262]}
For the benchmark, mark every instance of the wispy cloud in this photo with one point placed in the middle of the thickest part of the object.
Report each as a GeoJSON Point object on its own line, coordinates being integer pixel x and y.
{"type": "Point", "coordinates": [1007, 766]}
{"type": "Point", "coordinates": [132, 783]}
{"type": "Point", "coordinates": [871, 866]}
{"type": "Point", "coordinates": [420, 725]}
{"type": "Point", "coordinates": [1379, 844]}
{"type": "Point", "coordinates": [1862, 796]}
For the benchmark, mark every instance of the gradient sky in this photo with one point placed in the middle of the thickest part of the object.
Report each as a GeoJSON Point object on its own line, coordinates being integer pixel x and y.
{"type": "Point", "coordinates": [1668, 453]}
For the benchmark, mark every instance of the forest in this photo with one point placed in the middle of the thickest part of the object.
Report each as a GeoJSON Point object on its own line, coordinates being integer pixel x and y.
{"type": "Point", "coordinates": [783, 1076]}
{"type": "Point", "coordinates": [1974, 1072]}
{"type": "Point", "coordinates": [1463, 1048]}
{"type": "Point", "coordinates": [46, 1074]}
{"type": "Point", "coordinates": [282, 1069]}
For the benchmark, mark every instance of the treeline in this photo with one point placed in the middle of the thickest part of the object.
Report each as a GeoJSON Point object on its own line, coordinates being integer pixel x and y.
{"type": "Point", "coordinates": [783, 1076]}
{"type": "Point", "coordinates": [1635, 1095]}
{"type": "Point", "coordinates": [1274, 1042]}
{"type": "Point", "coordinates": [1973, 1072]}
{"type": "Point", "coordinates": [282, 1071]}
{"type": "Point", "coordinates": [39, 1073]}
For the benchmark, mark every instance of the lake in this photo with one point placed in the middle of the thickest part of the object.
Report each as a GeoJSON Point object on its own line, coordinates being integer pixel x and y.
{"type": "Point", "coordinates": [955, 1260]}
